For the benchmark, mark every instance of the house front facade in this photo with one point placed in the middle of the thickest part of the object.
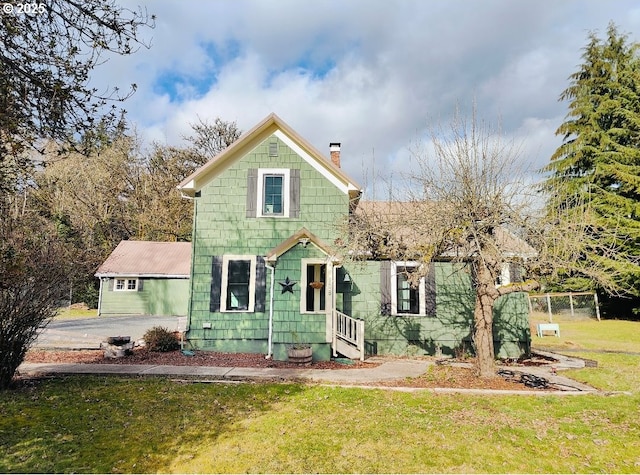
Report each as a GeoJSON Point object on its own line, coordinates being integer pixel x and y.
{"type": "Point", "coordinates": [267, 272]}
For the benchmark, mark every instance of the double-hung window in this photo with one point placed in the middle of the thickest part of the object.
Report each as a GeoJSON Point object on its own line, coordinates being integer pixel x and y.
{"type": "Point", "coordinates": [238, 284]}
{"type": "Point", "coordinates": [407, 294]}
{"type": "Point", "coordinates": [411, 296]}
{"type": "Point", "coordinates": [273, 192]}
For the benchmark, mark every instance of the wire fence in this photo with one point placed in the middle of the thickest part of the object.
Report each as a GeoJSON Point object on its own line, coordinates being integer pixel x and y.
{"type": "Point", "coordinates": [569, 305]}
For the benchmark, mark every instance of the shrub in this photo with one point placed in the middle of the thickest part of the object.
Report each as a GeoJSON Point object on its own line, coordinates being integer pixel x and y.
{"type": "Point", "coordinates": [161, 339]}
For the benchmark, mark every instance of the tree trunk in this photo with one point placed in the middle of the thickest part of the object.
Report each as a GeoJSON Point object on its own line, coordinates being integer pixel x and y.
{"type": "Point", "coordinates": [486, 295]}
{"type": "Point", "coordinates": [483, 336]}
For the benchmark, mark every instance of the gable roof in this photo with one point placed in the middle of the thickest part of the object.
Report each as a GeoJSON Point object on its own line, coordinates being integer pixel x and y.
{"type": "Point", "coordinates": [392, 215]}
{"type": "Point", "coordinates": [305, 237]}
{"type": "Point", "coordinates": [271, 125]}
{"type": "Point", "coordinates": [148, 259]}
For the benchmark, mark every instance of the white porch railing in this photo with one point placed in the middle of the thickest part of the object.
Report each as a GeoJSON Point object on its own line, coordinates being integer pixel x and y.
{"type": "Point", "coordinates": [350, 330]}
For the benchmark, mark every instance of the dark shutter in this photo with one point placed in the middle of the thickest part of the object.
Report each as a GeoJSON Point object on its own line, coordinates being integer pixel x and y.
{"type": "Point", "coordinates": [385, 287]}
{"type": "Point", "coordinates": [252, 192]}
{"type": "Point", "coordinates": [140, 285]}
{"type": "Point", "coordinates": [261, 285]}
{"type": "Point", "coordinates": [294, 193]}
{"type": "Point", "coordinates": [515, 272]}
{"type": "Point", "coordinates": [430, 291]}
{"type": "Point", "coordinates": [216, 284]}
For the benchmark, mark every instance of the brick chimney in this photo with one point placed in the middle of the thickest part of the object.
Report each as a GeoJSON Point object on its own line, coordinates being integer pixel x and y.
{"type": "Point", "coordinates": [334, 148]}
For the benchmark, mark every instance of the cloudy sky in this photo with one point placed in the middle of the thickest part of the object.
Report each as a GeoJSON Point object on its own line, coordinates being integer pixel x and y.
{"type": "Point", "coordinates": [371, 74]}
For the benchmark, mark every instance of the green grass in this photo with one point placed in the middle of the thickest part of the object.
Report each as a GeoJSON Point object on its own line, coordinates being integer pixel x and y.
{"type": "Point", "coordinates": [613, 344]}
{"type": "Point", "coordinates": [94, 424]}
{"type": "Point", "coordinates": [608, 335]}
{"type": "Point", "coordinates": [67, 313]}
{"type": "Point", "coordinates": [91, 424]}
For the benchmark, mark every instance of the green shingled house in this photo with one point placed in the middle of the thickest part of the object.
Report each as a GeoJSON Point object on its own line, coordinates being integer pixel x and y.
{"type": "Point", "coordinates": [266, 272]}
{"type": "Point", "coordinates": [145, 278]}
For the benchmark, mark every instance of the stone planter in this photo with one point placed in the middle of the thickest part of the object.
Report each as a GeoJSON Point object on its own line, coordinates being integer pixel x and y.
{"type": "Point", "coordinates": [117, 346]}
{"type": "Point", "coordinates": [300, 355]}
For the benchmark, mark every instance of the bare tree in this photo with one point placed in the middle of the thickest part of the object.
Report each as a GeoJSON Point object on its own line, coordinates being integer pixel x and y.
{"type": "Point", "coordinates": [463, 203]}
{"type": "Point", "coordinates": [32, 284]}
{"type": "Point", "coordinates": [211, 138]}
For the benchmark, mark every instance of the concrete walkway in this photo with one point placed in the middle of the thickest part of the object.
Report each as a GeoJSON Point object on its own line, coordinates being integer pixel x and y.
{"type": "Point", "coordinates": [387, 371]}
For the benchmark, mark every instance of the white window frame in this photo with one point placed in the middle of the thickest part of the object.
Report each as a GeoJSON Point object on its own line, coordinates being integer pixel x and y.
{"type": "Point", "coordinates": [285, 172]}
{"type": "Point", "coordinates": [505, 275]}
{"type": "Point", "coordinates": [422, 290]}
{"type": "Point", "coordinates": [225, 282]}
{"type": "Point", "coordinates": [125, 284]}
{"type": "Point", "coordinates": [304, 283]}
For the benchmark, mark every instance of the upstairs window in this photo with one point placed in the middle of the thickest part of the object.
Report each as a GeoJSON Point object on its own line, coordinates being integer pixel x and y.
{"type": "Point", "coordinates": [273, 192]}
{"type": "Point", "coordinates": [273, 195]}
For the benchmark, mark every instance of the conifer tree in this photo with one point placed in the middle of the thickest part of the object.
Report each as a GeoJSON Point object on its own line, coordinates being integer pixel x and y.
{"type": "Point", "coordinates": [594, 176]}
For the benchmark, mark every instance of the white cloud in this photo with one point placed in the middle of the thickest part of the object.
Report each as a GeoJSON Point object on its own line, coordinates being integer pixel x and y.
{"type": "Point", "coordinates": [370, 74]}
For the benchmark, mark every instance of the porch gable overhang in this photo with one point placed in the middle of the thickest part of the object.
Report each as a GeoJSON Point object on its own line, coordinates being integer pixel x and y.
{"type": "Point", "coordinates": [304, 237]}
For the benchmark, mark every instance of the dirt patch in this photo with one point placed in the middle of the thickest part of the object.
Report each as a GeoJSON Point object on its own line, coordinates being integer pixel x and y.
{"type": "Point", "coordinates": [453, 377]}
{"type": "Point", "coordinates": [176, 358]}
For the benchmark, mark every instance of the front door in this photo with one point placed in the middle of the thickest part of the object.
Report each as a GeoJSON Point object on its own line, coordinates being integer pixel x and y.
{"type": "Point", "coordinates": [317, 290]}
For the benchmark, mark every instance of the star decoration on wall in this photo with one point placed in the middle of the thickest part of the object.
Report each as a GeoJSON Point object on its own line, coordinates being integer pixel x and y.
{"type": "Point", "coordinates": [287, 285]}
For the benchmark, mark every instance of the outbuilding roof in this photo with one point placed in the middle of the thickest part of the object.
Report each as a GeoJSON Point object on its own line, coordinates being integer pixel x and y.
{"type": "Point", "coordinates": [148, 259]}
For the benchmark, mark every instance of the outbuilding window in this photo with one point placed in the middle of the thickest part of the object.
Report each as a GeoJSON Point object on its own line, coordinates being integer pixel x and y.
{"type": "Point", "coordinates": [128, 284]}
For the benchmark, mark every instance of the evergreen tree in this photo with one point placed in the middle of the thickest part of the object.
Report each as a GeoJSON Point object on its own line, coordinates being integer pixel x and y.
{"type": "Point", "coordinates": [595, 173]}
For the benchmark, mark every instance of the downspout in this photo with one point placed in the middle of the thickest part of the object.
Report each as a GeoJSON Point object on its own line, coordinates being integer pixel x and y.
{"type": "Point", "coordinates": [270, 338]}
{"type": "Point", "coordinates": [187, 327]}
{"type": "Point", "coordinates": [100, 297]}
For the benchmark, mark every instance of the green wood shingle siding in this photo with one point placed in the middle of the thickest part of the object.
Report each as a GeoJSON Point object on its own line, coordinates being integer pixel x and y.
{"type": "Point", "coordinates": [448, 331]}
{"type": "Point", "coordinates": [157, 297]}
{"type": "Point", "coordinates": [223, 225]}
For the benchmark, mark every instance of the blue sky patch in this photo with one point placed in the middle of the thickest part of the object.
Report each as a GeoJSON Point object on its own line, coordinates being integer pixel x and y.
{"type": "Point", "coordinates": [193, 84]}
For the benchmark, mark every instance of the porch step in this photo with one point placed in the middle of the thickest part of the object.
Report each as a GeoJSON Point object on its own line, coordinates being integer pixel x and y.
{"type": "Point", "coordinates": [347, 349]}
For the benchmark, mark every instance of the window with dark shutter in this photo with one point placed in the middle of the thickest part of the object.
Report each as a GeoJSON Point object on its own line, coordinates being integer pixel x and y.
{"type": "Point", "coordinates": [261, 285]}
{"type": "Point", "coordinates": [430, 291]}
{"type": "Point", "coordinates": [385, 288]}
{"type": "Point", "coordinates": [238, 282]}
{"type": "Point", "coordinates": [216, 284]}
{"type": "Point", "coordinates": [294, 194]}
{"type": "Point", "coordinates": [252, 192]}
{"type": "Point", "coordinates": [515, 272]}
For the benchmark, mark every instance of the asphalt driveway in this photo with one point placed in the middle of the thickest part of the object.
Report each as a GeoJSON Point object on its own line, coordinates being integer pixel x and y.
{"type": "Point", "coordinates": [88, 333]}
